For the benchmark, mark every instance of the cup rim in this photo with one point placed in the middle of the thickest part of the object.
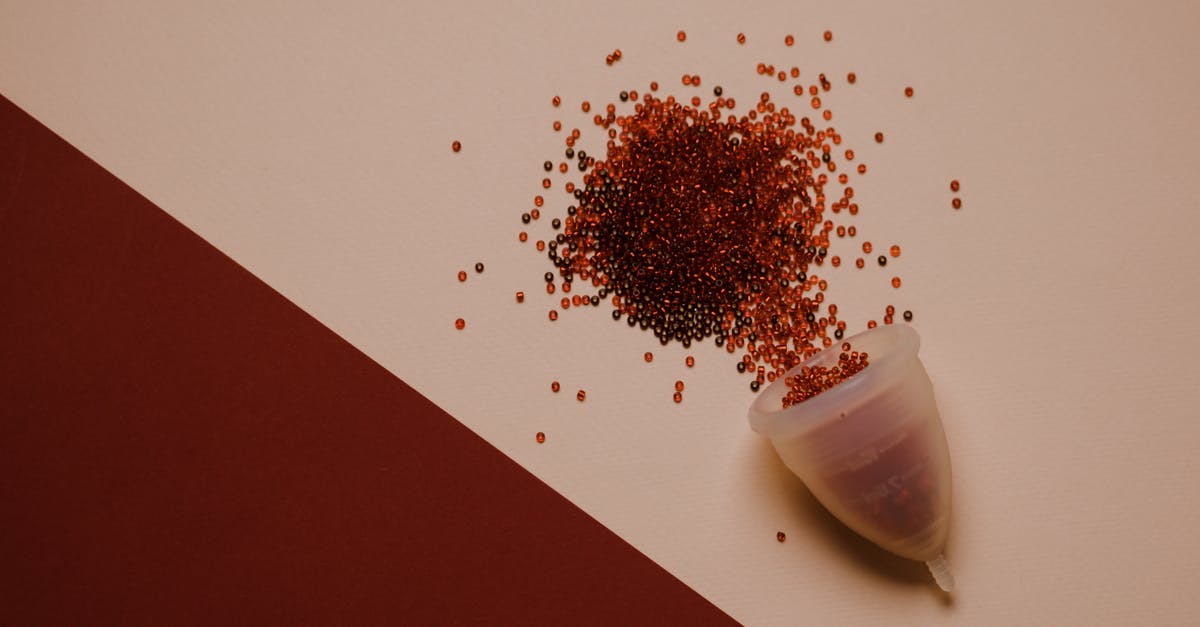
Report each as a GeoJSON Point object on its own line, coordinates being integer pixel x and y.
{"type": "Point", "coordinates": [890, 347]}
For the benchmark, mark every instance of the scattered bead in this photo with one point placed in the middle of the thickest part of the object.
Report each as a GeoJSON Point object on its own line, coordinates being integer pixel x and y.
{"type": "Point", "coordinates": [764, 306]}
{"type": "Point", "coordinates": [908, 91]}
{"type": "Point", "coordinates": [690, 361]}
{"type": "Point", "coordinates": [460, 324]}
{"type": "Point", "coordinates": [462, 275]}
{"type": "Point", "coordinates": [580, 396]}
{"type": "Point", "coordinates": [520, 297]}
{"type": "Point", "coordinates": [956, 203]}
{"type": "Point", "coordinates": [456, 145]}
{"type": "Point", "coordinates": [954, 186]}
{"type": "Point", "coordinates": [813, 380]}
{"type": "Point", "coordinates": [781, 536]}
{"type": "Point", "coordinates": [681, 36]}
{"type": "Point", "coordinates": [540, 437]}
{"type": "Point", "coordinates": [478, 267]}
{"type": "Point", "coordinates": [649, 357]}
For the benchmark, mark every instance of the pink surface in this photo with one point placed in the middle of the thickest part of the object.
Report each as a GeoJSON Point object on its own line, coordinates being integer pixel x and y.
{"type": "Point", "coordinates": [312, 145]}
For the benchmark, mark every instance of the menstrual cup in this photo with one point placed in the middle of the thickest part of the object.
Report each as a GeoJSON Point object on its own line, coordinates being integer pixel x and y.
{"type": "Point", "coordinates": [871, 448]}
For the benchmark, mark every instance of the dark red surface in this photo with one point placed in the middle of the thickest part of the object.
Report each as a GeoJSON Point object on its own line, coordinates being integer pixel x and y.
{"type": "Point", "coordinates": [181, 444]}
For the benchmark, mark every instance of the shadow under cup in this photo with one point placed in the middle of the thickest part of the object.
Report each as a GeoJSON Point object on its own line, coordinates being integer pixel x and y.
{"type": "Point", "coordinates": [871, 449]}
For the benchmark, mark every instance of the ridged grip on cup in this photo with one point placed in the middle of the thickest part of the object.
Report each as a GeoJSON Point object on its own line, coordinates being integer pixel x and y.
{"type": "Point", "coordinates": [872, 448]}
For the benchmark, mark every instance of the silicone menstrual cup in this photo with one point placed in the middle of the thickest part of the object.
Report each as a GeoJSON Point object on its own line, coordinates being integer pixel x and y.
{"type": "Point", "coordinates": [871, 449]}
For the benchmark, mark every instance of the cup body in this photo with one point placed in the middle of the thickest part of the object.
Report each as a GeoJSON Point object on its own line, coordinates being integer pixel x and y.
{"type": "Point", "coordinates": [872, 448]}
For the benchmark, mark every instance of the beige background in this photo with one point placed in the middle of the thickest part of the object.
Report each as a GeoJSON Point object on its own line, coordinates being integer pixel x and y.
{"type": "Point", "coordinates": [311, 143]}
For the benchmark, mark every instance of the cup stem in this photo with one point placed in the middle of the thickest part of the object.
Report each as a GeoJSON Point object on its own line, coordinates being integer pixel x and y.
{"type": "Point", "coordinates": [941, 573]}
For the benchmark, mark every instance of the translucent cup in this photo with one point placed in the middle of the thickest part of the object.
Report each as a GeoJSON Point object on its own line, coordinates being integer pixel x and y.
{"type": "Point", "coordinates": [871, 449]}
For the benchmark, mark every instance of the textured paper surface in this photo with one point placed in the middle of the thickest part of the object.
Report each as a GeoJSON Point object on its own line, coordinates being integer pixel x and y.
{"type": "Point", "coordinates": [195, 449]}
{"type": "Point", "coordinates": [312, 145]}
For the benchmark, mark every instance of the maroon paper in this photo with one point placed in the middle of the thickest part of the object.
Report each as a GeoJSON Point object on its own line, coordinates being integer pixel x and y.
{"type": "Point", "coordinates": [181, 444]}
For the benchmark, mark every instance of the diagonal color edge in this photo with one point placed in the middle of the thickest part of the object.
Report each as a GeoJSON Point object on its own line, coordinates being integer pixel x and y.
{"type": "Point", "coordinates": [181, 444]}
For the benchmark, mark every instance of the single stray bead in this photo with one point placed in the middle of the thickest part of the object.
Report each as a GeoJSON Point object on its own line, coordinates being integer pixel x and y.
{"type": "Point", "coordinates": [690, 361]}
{"type": "Point", "coordinates": [462, 275]}
{"type": "Point", "coordinates": [479, 267]}
{"type": "Point", "coordinates": [789, 40]}
{"type": "Point", "coordinates": [554, 386]}
{"type": "Point", "coordinates": [908, 91]}
{"type": "Point", "coordinates": [828, 36]}
{"type": "Point", "coordinates": [553, 315]}
{"type": "Point", "coordinates": [649, 357]}
{"type": "Point", "coordinates": [895, 250]}
{"type": "Point", "coordinates": [679, 386]}
{"type": "Point", "coordinates": [460, 324]}
{"type": "Point", "coordinates": [895, 281]}
{"type": "Point", "coordinates": [878, 138]}
{"type": "Point", "coordinates": [956, 203]}
{"type": "Point", "coordinates": [882, 260]}
{"type": "Point", "coordinates": [581, 395]}
{"type": "Point", "coordinates": [456, 146]}
{"type": "Point", "coordinates": [541, 437]}
{"type": "Point", "coordinates": [681, 36]}
{"type": "Point", "coordinates": [741, 38]}
{"type": "Point", "coordinates": [781, 536]}
{"type": "Point", "coordinates": [520, 297]}
{"type": "Point", "coordinates": [678, 397]}
{"type": "Point", "coordinates": [907, 315]}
